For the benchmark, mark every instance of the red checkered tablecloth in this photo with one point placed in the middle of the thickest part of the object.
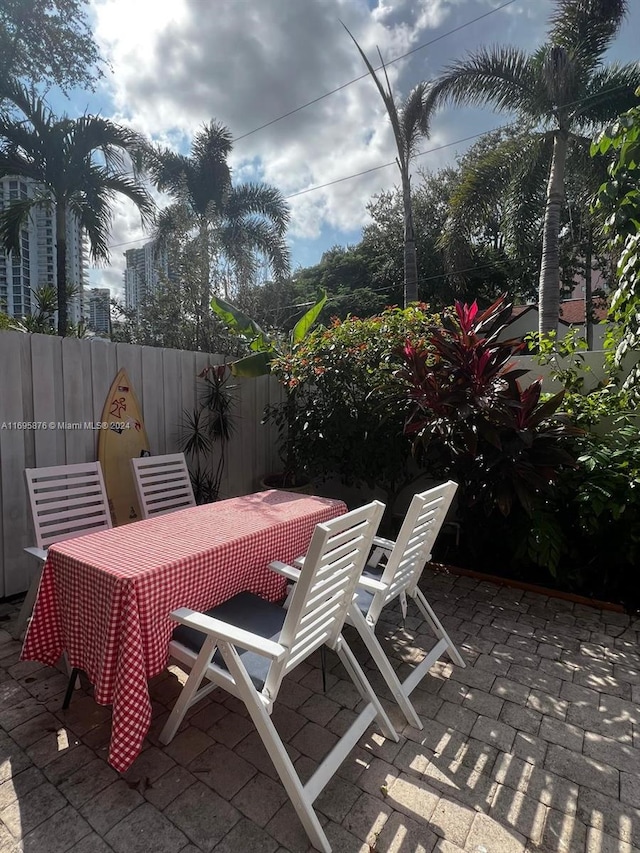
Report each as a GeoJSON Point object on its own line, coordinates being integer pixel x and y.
{"type": "Point", "coordinates": [105, 598]}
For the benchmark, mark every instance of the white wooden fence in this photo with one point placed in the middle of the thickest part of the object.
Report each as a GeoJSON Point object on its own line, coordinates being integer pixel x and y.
{"type": "Point", "coordinates": [48, 379]}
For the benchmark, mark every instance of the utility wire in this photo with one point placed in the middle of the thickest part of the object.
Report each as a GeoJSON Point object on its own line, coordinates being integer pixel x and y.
{"type": "Point", "coordinates": [392, 162]}
{"type": "Point", "coordinates": [379, 68]}
{"type": "Point", "coordinates": [357, 174]}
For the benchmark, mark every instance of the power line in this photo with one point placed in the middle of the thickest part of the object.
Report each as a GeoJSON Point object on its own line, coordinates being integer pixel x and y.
{"type": "Point", "coordinates": [356, 174]}
{"type": "Point", "coordinates": [366, 74]}
{"type": "Point", "coordinates": [392, 162]}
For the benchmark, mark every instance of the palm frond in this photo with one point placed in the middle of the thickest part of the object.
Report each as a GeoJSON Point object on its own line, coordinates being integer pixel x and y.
{"type": "Point", "coordinates": [12, 219]}
{"type": "Point", "coordinates": [500, 76]}
{"type": "Point", "coordinates": [242, 238]}
{"type": "Point", "coordinates": [92, 203]}
{"type": "Point", "coordinates": [209, 179]}
{"type": "Point", "coordinates": [260, 199]}
{"type": "Point", "coordinates": [526, 194]}
{"type": "Point", "coordinates": [610, 91]}
{"type": "Point", "coordinates": [212, 144]}
{"type": "Point", "coordinates": [586, 28]}
{"type": "Point", "coordinates": [173, 221]}
{"type": "Point", "coordinates": [133, 190]}
{"type": "Point", "coordinates": [14, 162]}
{"type": "Point", "coordinates": [168, 169]}
{"type": "Point", "coordinates": [501, 192]}
{"type": "Point", "coordinates": [387, 98]}
{"type": "Point", "coordinates": [34, 108]}
{"type": "Point", "coordinates": [94, 133]}
{"type": "Point", "coordinates": [414, 120]}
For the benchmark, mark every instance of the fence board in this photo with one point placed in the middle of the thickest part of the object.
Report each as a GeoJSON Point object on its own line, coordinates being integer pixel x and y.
{"type": "Point", "coordinates": [17, 568]}
{"type": "Point", "coordinates": [48, 401]}
{"type": "Point", "coordinates": [151, 398]}
{"type": "Point", "coordinates": [103, 372]}
{"type": "Point", "coordinates": [80, 439]}
{"type": "Point", "coordinates": [173, 402]}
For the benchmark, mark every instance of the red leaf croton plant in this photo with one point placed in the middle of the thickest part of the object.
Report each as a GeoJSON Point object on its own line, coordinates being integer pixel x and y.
{"type": "Point", "coordinates": [471, 419]}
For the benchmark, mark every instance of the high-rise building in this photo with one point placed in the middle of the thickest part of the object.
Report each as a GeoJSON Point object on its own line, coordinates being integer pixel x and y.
{"type": "Point", "coordinates": [97, 309]}
{"type": "Point", "coordinates": [35, 267]}
{"type": "Point", "coordinates": [144, 267]}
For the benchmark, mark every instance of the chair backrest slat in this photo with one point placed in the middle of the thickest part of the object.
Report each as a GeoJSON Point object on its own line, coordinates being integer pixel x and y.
{"type": "Point", "coordinates": [425, 516]}
{"type": "Point", "coordinates": [163, 484]}
{"type": "Point", "coordinates": [321, 598]}
{"type": "Point", "coordinates": [67, 501]}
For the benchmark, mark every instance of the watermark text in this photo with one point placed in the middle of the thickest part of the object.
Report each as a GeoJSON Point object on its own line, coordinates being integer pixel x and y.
{"type": "Point", "coordinates": [63, 425]}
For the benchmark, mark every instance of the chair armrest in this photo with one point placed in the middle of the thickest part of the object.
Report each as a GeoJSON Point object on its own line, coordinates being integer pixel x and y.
{"type": "Point", "coordinates": [283, 569]}
{"type": "Point", "coordinates": [372, 585]}
{"type": "Point", "coordinates": [40, 553]}
{"type": "Point", "coordinates": [225, 631]}
{"type": "Point", "coordinates": [298, 562]}
{"type": "Point", "coordinates": [385, 544]}
{"type": "Point", "coordinates": [293, 574]}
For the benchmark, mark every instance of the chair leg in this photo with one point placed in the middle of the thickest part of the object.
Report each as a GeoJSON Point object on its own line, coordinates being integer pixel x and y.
{"type": "Point", "coordinates": [366, 691]}
{"type": "Point", "coordinates": [323, 667]}
{"type": "Point", "coordinates": [386, 670]}
{"type": "Point", "coordinates": [300, 799]}
{"type": "Point", "coordinates": [75, 672]}
{"type": "Point", "coordinates": [436, 626]}
{"type": "Point", "coordinates": [27, 605]}
{"type": "Point", "coordinates": [189, 692]}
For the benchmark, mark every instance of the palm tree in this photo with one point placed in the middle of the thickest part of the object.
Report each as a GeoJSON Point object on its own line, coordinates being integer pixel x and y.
{"type": "Point", "coordinates": [409, 122]}
{"type": "Point", "coordinates": [78, 166]}
{"type": "Point", "coordinates": [498, 206]}
{"type": "Point", "coordinates": [230, 224]}
{"type": "Point", "coordinates": [560, 95]}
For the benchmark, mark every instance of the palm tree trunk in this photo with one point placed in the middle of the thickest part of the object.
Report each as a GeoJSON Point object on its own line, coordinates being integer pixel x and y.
{"type": "Point", "coordinates": [204, 286]}
{"type": "Point", "coordinates": [549, 287]}
{"type": "Point", "coordinates": [61, 267]}
{"type": "Point", "coordinates": [410, 256]}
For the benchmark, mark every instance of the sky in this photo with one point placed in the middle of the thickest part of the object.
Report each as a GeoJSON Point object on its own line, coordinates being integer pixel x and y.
{"type": "Point", "coordinates": [176, 64]}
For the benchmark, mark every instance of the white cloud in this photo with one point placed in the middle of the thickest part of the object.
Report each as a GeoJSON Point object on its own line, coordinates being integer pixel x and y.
{"type": "Point", "coordinates": [179, 63]}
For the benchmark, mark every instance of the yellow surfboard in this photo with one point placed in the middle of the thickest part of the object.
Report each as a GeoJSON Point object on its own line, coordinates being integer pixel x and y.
{"type": "Point", "coordinates": [121, 437]}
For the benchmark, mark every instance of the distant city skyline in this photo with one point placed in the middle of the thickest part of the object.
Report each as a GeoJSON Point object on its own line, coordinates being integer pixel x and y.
{"type": "Point", "coordinates": [35, 267]}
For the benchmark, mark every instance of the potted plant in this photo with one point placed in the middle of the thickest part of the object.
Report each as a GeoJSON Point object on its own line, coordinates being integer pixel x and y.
{"type": "Point", "coordinates": [209, 423]}
{"type": "Point", "coordinates": [265, 348]}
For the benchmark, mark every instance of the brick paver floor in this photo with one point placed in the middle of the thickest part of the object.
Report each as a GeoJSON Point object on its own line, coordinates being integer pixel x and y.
{"type": "Point", "coordinates": [535, 746]}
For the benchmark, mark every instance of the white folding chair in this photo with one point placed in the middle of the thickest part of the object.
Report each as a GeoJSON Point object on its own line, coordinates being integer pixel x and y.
{"type": "Point", "coordinates": [163, 484]}
{"type": "Point", "coordinates": [381, 583]}
{"type": "Point", "coordinates": [247, 645]}
{"type": "Point", "coordinates": [66, 501]}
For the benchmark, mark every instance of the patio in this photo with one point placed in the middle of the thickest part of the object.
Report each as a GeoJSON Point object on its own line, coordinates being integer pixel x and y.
{"type": "Point", "coordinates": [535, 746]}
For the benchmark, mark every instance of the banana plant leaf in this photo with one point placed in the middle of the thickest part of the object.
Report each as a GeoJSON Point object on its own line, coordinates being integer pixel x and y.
{"type": "Point", "coordinates": [257, 364]}
{"type": "Point", "coordinates": [306, 322]}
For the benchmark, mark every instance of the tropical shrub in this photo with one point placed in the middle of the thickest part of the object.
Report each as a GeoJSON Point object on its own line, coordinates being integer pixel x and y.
{"type": "Point", "coordinates": [567, 365]}
{"type": "Point", "coordinates": [472, 421]}
{"type": "Point", "coordinates": [589, 534]}
{"type": "Point", "coordinates": [618, 201]}
{"type": "Point", "coordinates": [346, 421]}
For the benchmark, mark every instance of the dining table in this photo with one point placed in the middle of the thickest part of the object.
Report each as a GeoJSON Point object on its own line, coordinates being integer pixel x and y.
{"type": "Point", "coordinates": [105, 598]}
